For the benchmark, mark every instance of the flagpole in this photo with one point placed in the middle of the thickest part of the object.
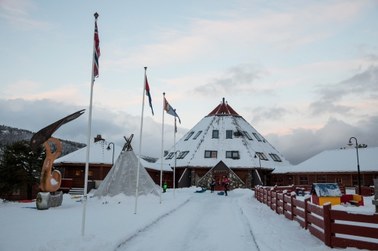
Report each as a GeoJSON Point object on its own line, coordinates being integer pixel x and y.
{"type": "Point", "coordinates": [174, 168]}
{"type": "Point", "coordinates": [88, 137]}
{"type": "Point", "coordinates": [140, 142]}
{"type": "Point", "coordinates": [162, 149]}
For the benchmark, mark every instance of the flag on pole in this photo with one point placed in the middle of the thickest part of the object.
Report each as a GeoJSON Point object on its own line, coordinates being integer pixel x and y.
{"type": "Point", "coordinates": [147, 87]}
{"type": "Point", "coordinates": [96, 52]}
{"type": "Point", "coordinates": [94, 74]}
{"type": "Point", "coordinates": [169, 109]}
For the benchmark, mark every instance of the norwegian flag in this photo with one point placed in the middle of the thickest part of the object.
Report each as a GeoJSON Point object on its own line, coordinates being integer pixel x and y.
{"type": "Point", "coordinates": [147, 87]}
{"type": "Point", "coordinates": [96, 52]}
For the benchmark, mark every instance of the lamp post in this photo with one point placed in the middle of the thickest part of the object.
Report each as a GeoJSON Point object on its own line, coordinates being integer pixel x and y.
{"type": "Point", "coordinates": [108, 148]}
{"type": "Point", "coordinates": [358, 162]}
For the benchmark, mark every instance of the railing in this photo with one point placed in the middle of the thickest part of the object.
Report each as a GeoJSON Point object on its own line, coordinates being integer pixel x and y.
{"type": "Point", "coordinates": [335, 228]}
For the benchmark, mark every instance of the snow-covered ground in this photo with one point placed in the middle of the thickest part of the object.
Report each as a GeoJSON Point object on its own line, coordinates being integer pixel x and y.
{"type": "Point", "coordinates": [185, 220]}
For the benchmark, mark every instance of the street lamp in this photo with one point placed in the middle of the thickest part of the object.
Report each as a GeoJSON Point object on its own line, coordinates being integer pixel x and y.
{"type": "Point", "coordinates": [108, 148]}
{"type": "Point", "coordinates": [358, 162]}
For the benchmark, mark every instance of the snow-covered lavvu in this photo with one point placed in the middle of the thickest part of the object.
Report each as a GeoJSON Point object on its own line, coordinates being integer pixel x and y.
{"type": "Point", "coordinates": [184, 220]}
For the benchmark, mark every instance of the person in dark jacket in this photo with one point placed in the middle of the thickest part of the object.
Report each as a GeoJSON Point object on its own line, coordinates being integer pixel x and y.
{"type": "Point", "coordinates": [212, 185]}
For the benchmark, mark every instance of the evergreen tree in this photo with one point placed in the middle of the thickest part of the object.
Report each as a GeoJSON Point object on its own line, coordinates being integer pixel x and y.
{"type": "Point", "coordinates": [20, 168]}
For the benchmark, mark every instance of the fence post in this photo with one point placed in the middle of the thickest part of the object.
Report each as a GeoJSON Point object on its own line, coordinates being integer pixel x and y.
{"type": "Point", "coordinates": [265, 196]}
{"type": "Point", "coordinates": [292, 196]}
{"type": "Point", "coordinates": [306, 201]}
{"type": "Point", "coordinates": [277, 202]}
{"type": "Point", "coordinates": [327, 224]}
{"type": "Point", "coordinates": [261, 195]}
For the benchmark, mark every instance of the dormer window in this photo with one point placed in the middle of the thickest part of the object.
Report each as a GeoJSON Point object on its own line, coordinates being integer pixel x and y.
{"type": "Point", "coordinates": [275, 157]}
{"type": "Point", "coordinates": [170, 155]}
{"type": "Point", "coordinates": [257, 136]}
{"type": "Point", "coordinates": [247, 135]}
{"type": "Point", "coordinates": [261, 156]}
{"type": "Point", "coordinates": [189, 135]}
{"type": "Point", "coordinates": [182, 154]}
{"type": "Point", "coordinates": [197, 134]}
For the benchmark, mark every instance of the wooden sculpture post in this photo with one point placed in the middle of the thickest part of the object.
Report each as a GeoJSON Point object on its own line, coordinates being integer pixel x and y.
{"type": "Point", "coordinates": [50, 179]}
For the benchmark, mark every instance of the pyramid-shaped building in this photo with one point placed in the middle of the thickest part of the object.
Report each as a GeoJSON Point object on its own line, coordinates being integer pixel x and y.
{"type": "Point", "coordinates": [223, 143]}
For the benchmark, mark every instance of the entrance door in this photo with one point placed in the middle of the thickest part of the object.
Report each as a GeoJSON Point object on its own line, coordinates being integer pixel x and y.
{"type": "Point", "coordinates": [218, 176]}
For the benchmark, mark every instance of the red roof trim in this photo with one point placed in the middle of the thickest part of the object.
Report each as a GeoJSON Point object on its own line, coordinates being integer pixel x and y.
{"type": "Point", "coordinates": [223, 109]}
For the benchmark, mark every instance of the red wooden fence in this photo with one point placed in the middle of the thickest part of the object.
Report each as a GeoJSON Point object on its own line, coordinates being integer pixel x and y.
{"type": "Point", "coordinates": [335, 228]}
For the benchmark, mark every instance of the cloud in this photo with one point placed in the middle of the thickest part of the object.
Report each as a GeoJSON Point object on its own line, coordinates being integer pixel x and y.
{"type": "Point", "coordinates": [17, 13]}
{"type": "Point", "coordinates": [302, 144]}
{"type": "Point", "coordinates": [269, 113]}
{"type": "Point", "coordinates": [238, 32]}
{"type": "Point", "coordinates": [112, 125]}
{"type": "Point", "coordinates": [362, 86]}
{"type": "Point", "coordinates": [236, 79]}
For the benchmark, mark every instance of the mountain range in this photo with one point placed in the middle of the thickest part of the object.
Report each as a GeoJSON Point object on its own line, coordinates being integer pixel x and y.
{"type": "Point", "coordinates": [10, 135]}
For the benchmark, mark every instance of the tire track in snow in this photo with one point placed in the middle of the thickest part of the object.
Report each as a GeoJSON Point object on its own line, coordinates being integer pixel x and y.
{"type": "Point", "coordinates": [147, 227]}
{"type": "Point", "coordinates": [208, 222]}
{"type": "Point", "coordinates": [248, 225]}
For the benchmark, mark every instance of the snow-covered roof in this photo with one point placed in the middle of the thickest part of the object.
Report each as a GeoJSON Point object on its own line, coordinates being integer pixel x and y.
{"type": "Point", "coordinates": [339, 160]}
{"type": "Point", "coordinates": [98, 154]}
{"type": "Point", "coordinates": [234, 140]}
{"type": "Point", "coordinates": [156, 165]}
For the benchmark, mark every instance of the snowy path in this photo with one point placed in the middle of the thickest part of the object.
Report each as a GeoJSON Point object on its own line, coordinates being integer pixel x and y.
{"type": "Point", "coordinates": [187, 221]}
{"type": "Point", "coordinates": [198, 225]}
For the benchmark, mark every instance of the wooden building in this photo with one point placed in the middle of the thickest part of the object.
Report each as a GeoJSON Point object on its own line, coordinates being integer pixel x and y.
{"type": "Point", "coordinates": [224, 139]}
{"type": "Point", "coordinates": [332, 166]}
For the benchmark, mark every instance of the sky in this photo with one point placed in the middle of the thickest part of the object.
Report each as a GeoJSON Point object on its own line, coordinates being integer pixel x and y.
{"type": "Point", "coordinates": [184, 220]}
{"type": "Point", "coordinates": [303, 73]}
